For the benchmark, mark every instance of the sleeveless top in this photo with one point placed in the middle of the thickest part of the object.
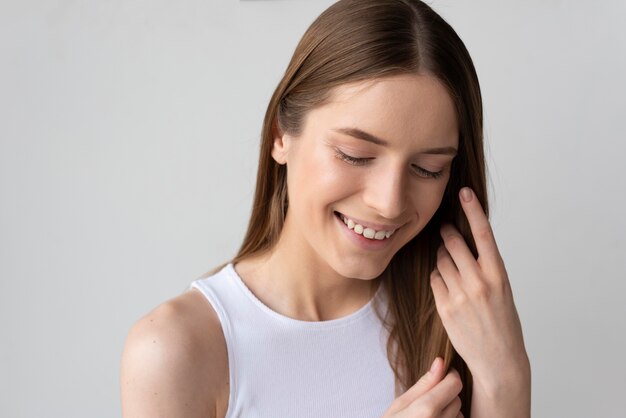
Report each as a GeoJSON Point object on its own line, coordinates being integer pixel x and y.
{"type": "Point", "coordinates": [281, 367]}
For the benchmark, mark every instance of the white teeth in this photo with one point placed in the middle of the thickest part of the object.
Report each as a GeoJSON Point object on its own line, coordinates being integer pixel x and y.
{"type": "Point", "coordinates": [366, 232]}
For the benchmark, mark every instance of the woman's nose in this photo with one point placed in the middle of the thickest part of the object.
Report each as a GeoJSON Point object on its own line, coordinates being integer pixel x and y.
{"type": "Point", "coordinates": [386, 193]}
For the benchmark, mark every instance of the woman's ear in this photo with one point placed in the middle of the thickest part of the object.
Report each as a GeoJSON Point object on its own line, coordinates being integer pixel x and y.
{"type": "Point", "coordinates": [280, 146]}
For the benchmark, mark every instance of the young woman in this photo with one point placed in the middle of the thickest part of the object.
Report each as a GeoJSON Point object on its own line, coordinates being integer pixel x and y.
{"type": "Point", "coordinates": [369, 282]}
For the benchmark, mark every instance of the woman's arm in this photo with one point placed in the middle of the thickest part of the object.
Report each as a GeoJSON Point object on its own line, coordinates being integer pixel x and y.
{"type": "Point", "coordinates": [509, 397]}
{"type": "Point", "coordinates": [166, 368]}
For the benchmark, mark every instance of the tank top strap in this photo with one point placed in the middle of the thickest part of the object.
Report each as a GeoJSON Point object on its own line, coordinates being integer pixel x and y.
{"type": "Point", "coordinates": [284, 367]}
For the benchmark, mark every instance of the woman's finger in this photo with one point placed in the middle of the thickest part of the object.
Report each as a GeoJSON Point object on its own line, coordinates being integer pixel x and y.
{"type": "Point", "coordinates": [423, 385]}
{"type": "Point", "coordinates": [440, 290]}
{"type": "Point", "coordinates": [438, 398]}
{"type": "Point", "coordinates": [459, 251]}
{"type": "Point", "coordinates": [448, 269]}
{"type": "Point", "coordinates": [488, 254]}
{"type": "Point", "coordinates": [453, 409]}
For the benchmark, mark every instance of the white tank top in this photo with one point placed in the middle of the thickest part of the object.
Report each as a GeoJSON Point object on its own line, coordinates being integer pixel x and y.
{"type": "Point", "coordinates": [282, 367]}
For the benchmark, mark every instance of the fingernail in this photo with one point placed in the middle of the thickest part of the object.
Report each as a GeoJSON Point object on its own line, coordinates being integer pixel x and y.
{"type": "Point", "coordinates": [466, 194]}
{"type": "Point", "coordinates": [435, 365]}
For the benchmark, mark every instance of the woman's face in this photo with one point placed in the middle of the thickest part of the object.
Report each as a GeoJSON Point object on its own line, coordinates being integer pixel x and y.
{"type": "Point", "coordinates": [395, 185]}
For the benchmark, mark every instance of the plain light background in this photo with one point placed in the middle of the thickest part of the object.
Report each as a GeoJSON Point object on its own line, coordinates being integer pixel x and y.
{"type": "Point", "coordinates": [129, 135]}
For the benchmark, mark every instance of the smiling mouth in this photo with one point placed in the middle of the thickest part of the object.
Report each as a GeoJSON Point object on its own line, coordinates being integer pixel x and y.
{"type": "Point", "coordinates": [366, 232]}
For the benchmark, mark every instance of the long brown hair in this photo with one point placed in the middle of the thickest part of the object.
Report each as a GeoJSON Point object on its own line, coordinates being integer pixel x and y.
{"type": "Point", "coordinates": [358, 40]}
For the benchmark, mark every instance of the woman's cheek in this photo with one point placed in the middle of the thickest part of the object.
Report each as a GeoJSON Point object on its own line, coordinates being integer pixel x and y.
{"type": "Point", "coordinates": [326, 176]}
{"type": "Point", "coordinates": [426, 197]}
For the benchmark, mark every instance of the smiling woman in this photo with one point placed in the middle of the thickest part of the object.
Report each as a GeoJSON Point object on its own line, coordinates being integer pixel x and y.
{"type": "Point", "coordinates": [383, 183]}
{"type": "Point", "coordinates": [364, 287]}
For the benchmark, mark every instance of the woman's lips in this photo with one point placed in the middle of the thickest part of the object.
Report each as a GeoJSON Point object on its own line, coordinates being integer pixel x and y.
{"type": "Point", "coordinates": [374, 226]}
{"type": "Point", "coordinates": [360, 240]}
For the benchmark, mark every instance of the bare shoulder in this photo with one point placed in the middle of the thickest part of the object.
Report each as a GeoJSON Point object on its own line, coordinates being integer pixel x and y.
{"type": "Point", "coordinates": [175, 361]}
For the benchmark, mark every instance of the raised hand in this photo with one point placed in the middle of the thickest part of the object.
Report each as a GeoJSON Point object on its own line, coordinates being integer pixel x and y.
{"type": "Point", "coordinates": [474, 300]}
{"type": "Point", "coordinates": [433, 396]}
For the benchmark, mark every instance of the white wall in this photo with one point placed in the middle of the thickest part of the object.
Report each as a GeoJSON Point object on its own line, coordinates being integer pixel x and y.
{"type": "Point", "coordinates": [128, 149]}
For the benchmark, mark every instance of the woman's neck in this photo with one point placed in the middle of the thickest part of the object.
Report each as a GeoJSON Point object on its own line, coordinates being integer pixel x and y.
{"type": "Point", "coordinates": [302, 287]}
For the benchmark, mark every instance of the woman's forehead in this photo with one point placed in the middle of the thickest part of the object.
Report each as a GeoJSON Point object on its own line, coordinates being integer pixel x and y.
{"type": "Point", "coordinates": [402, 106]}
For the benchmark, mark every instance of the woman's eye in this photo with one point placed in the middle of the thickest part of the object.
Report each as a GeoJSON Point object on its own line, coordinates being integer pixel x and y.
{"type": "Point", "coordinates": [362, 161]}
{"type": "Point", "coordinates": [428, 174]}
{"type": "Point", "coordinates": [349, 159]}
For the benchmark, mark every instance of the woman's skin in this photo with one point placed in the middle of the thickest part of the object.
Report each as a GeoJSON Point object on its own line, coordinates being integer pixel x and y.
{"type": "Point", "coordinates": [318, 272]}
{"type": "Point", "coordinates": [475, 303]}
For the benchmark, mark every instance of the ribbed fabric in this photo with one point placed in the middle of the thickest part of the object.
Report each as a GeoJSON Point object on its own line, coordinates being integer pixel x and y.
{"type": "Point", "coordinates": [282, 367]}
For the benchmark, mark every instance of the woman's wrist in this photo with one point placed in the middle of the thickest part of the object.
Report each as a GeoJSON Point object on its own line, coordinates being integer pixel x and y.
{"type": "Point", "coordinates": [507, 378]}
{"type": "Point", "coordinates": [507, 394]}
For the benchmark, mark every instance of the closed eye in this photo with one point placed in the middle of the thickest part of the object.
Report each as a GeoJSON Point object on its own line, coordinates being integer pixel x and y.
{"type": "Point", "coordinates": [431, 174]}
{"type": "Point", "coordinates": [363, 161]}
{"type": "Point", "coordinates": [349, 159]}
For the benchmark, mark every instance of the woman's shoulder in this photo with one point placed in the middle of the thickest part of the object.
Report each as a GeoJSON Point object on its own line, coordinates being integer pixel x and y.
{"type": "Point", "coordinates": [175, 361]}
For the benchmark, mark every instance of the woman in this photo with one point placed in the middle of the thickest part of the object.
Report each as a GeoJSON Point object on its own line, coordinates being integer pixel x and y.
{"type": "Point", "coordinates": [368, 284]}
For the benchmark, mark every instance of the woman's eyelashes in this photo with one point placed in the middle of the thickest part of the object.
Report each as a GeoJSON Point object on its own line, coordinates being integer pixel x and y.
{"type": "Point", "coordinates": [363, 161]}
{"type": "Point", "coordinates": [351, 160]}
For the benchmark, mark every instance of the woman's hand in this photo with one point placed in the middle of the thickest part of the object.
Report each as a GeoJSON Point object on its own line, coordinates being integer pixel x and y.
{"type": "Point", "coordinates": [433, 396]}
{"type": "Point", "coordinates": [475, 303]}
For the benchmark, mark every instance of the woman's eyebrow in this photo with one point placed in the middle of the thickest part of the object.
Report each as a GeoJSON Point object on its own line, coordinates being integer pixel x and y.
{"type": "Point", "coordinates": [365, 136]}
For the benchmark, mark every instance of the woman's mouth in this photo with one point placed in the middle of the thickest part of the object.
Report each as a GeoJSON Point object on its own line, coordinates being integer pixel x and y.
{"type": "Point", "coordinates": [365, 231]}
